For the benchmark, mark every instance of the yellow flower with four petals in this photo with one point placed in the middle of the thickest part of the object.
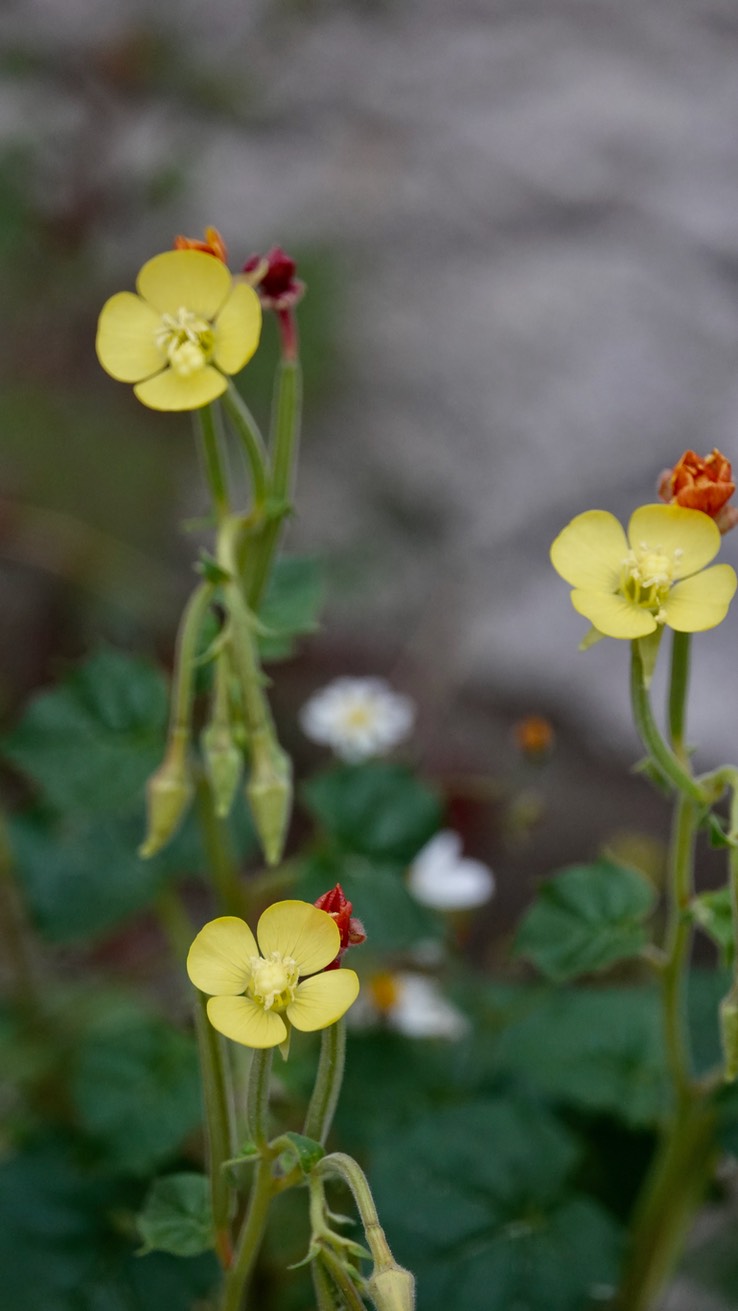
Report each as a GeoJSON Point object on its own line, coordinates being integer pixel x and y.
{"type": "Point", "coordinates": [189, 328]}
{"type": "Point", "coordinates": [629, 586]}
{"type": "Point", "coordinates": [258, 991]}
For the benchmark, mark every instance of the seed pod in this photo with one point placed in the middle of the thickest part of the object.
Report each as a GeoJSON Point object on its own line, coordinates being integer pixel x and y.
{"type": "Point", "coordinates": [224, 765]}
{"type": "Point", "coordinates": [392, 1289]}
{"type": "Point", "coordinates": [269, 794]}
{"type": "Point", "coordinates": [169, 792]}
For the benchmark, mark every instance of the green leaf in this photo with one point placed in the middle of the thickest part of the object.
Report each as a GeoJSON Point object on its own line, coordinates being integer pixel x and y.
{"type": "Point", "coordinates": [305, 1152]}
{"type": "Point", "coordinates": [717, 835]}
{"type": "Point", "coordinates": [151, 1282]}
{"type": "Point", "coordinates": [176, 1216]}
{"type": "Point", "coordinates": [375, 809]}
{"type": "Point", "coordinates": [136, 1090]}
{"type": "Point", "coordinates": [52, 1226]}
{"type": "Point", "coordinates": [713, 913]}
{"type": "Point", "coordinates": [61, 1245]}
{"type": "Point", "coordinates": [599, 1050]}
{"type": "Point", "coordinates": [586, 918]}
{"type": "Point", "coordinates": [705, 991]}
{"type": "Point", "coordinates": [81, 875]}
{"type": "Point", "coordinates": [291, 606]}
{"type": "Point", "coordinates": [91, 743]}
{"type": "Point", "coordinates": [475, 1200]}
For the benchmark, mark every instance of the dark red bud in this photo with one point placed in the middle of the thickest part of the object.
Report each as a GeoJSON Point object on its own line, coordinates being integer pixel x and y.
{"type": "Point", "coordinates": [337, 905]}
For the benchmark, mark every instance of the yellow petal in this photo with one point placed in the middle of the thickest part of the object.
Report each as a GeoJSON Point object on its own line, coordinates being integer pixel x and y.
{"type": "Point", "coordinates": [322, 1000]}
{"type": "Point", "coordinates": [694, 536]}
{"type": "Point", "coordinates": [126, 338]}
{"type": "Point", "coordinates": [242, 1020]}
{"type": "Point", "coordinates": [613, 615]}
{"type": "Point", "coordinates": [702, 601]}
{"type": "Point", "coordinates": [218, 960]}
{"type": "Point", "coordinates": [589, 552]}
{"type": "Point", "coordinates": [170, 391]}
{"type": "Point", "coordinates": [185, 279]}
{"type": "Point", "coordinates": [237, 329]}
{"type": "Point", "coordinates": [299, 930]}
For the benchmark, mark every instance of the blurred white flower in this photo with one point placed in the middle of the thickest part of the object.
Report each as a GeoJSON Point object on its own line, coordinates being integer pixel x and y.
{"type": "Point", "coordinates": [357, 717]}
{"type": "Point", "coordinates": [444, 879]}
{"type": "Point", "coordinates": [409, 1003]}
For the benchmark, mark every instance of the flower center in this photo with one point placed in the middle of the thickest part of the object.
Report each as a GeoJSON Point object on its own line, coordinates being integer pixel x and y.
{"type": "Point", "coordinates": [273, 980]}
{"type": "Point", "coordinates": [186, 341]}
{"type": "Point", "coordinates": [647, 575]}
{"type": "Point", "coordinates": [358, 717]}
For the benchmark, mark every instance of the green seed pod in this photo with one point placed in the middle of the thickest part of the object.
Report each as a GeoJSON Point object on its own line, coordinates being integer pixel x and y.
{"type": "Point", "coordinates": [392, 1289]}
{"type": "Point", "coordinates": [169, 792]}
{"type": "Point", "coordinates": [729, 1034]}
{"type": "Point", "coordinates": [269, 794]}
{"type": "Point", "coordinates": [224, 765]}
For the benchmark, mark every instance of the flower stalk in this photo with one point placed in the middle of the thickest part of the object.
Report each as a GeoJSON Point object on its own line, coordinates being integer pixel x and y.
{"type": "Point", "coordinates": [685, 1156]}
{"type": "Point", "coordinates": [208, 428]}
{"type": "Point", "coordinates": [328, 1080]}
{"type": "Point", "coordinates": [218, 1125]}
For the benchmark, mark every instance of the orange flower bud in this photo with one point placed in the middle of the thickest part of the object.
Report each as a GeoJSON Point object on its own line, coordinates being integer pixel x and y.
{"type": "Point", "coordinates": [534, 736]}
{"type": "Point", "coordinates": [701, 484]}
{"type": "Point", "coordinates": [212, 245]}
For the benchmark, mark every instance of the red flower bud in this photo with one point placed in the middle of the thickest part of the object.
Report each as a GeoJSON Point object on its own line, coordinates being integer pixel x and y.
{"type": "Point", "coordinates": [335, 904]}
{"type": "Point", "coordinates": [701, 484]}
{"type": "Point", "coordinates": [273, 277]}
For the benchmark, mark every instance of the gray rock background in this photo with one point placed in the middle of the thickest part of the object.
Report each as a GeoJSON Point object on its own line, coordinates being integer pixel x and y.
{"type": "Point", "coordinates": [532, 208]}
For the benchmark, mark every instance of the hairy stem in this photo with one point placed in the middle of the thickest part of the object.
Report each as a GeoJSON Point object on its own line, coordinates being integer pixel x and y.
{"type": "Point", "coordinates": [218, 1126]}
{"type": "Point", "coordinates": [328, 1080]}
{"type": "Point", "coordinates": [207, 424]}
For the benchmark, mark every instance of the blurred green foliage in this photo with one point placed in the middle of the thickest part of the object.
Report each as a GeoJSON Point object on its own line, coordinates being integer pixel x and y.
{"type": "Point", "coordinates": [506, 1162]}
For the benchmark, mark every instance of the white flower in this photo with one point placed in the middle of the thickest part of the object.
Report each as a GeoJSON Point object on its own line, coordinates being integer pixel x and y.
{"type": "Point", "coordinates": [411, 1004]}
{"type": "Point", "coordinates": [357, 717]}
{"type": "Point", "coordinates": [444, 879]}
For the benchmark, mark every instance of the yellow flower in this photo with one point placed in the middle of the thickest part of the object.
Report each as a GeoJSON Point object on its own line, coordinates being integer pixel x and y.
{"type": "Point", "coordinates": [629, 587]}
{"type": "Point", "coordinates": [257, 992]}
{"type": "Point", "coordinates": [189, 327]}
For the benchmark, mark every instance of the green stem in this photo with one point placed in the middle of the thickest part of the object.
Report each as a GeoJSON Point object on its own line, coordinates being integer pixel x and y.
{"type": "Point", "coordinates": [324, 1297]}
{"type": "Point", "coordinates": [218, 1125]}
{"type": "Point", "coordinates": [676, 1185]}
{"type": "Point", "coordinates": [215, 471]}
{"type": "Point", "coordinates": [343, 1281]}
{"type": "Point", "coordinates": [250, 1239]}
{"type": "Point", "coordinates": [328, 1082]}
{"type": "Point", "coordinates": [666, 759]}
{"type": "Point", "coordinates": [219, 853]}
{"type": "Point", "coordinates": [257, 1111]}
{"type": "Point", "coordinates": [185, 657]}
{"type": "Point", "coordinates": [338, 1163]}
{"type": "Point", "coordinates": [678, 935]}
{"type": "Point", "coordinates": [677, 946]}
{"type": "Point", "coordinates": [243, 645]}
{"type": "Point", "coordinates": [677, 1178]}
{"type": "Point", "coordinates": [251, 440]}
{"type": "Point", "coordinates": [678, 685]}
{"type": "Point", "coordinates": [286, 409]}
